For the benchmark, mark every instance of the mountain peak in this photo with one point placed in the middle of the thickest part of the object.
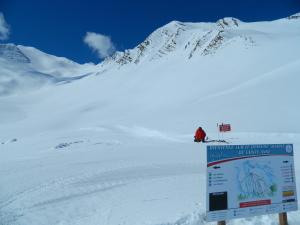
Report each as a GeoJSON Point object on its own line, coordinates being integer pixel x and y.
{"type": "Point", "coordinates": [228, 22]}
{"type": "Point", "coordinates": [174, 23]}
{"type": "Point", "coordinates": [12, 53]}
{"type": "Point", "coordinates": [188, 40]}
{"type": "Point", "coordinates": [158, 43]}
{"type": "Point", "coordinates": [294, 16]}
{"type": "Point", "coordinates": [175, 36]}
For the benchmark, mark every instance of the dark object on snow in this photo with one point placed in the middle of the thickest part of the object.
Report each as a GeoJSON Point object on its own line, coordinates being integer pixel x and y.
{"type": "Point", "coordinates": [62, 145]}
{"type": "Point", "coordinates": [10, 141]}
{"type": "Point", "coordinates": [67, 144]}
{"type": "Point", "coordinates": [199, 135]}
{"type": "Point", "coordinates": [216, 141]}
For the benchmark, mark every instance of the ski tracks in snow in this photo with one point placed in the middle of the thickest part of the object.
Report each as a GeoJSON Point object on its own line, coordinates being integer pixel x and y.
{"type": "Point", "coordinates": [71, 191]}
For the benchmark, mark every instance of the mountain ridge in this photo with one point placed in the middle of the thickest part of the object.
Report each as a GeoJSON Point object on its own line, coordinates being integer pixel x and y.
{"type": "Point", "coordinates": [168, 34]}
{"type": "Point", "coordinates": [184, 40]}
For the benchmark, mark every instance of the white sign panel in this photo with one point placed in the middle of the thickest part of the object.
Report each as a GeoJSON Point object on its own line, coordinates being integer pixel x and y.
{"type": "Point", "coordinates": [250, 180]}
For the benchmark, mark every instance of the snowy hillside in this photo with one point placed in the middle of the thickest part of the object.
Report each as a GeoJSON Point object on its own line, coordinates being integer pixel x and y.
{"type": "Point", "coordinates": [182, 68]}
{"type": "Point", "coordinates": [116, 147]}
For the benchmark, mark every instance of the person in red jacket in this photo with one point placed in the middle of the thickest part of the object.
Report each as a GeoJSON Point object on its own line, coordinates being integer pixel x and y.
{"type": "Point", "coordinates": [200, 135]}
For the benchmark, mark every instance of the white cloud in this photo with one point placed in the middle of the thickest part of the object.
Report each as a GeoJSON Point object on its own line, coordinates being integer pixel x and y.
{"type": "Point", "coordinates": [100, 43]}
{"type": "Point", "coordinates": [4, 28]}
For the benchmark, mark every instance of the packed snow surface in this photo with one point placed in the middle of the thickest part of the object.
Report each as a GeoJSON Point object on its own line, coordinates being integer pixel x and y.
{"type": "Point", "coordinates": [112, 143]}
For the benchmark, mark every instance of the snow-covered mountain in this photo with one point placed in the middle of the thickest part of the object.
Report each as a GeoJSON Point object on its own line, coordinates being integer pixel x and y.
{"type": "Point", "coordinates": [187, 39]}
{"type": "Point", "coordinates": [181, 67]}
{"type": "Point", "coordinates": [181, 38]}
{"type": "Point", "coordinates": [116, 147]}
{"type": "Point", "coordinates": [26, 68]}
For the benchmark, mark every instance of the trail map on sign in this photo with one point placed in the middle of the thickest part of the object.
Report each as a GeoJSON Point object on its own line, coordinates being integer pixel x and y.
{"type": "Point", "coordinates": [249, 180]}
{"type": "Point", "coordinates": [255, 180]}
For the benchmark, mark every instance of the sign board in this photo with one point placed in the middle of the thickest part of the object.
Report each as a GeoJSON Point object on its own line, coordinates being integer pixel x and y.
{"type": "Point", "coordinates": [224, 127]}
{"type": "Point", "coordinates": [250, 180]}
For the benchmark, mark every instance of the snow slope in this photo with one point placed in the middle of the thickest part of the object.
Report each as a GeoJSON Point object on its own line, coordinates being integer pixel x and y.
{"type": "Point", "coordinates": [116, 147]}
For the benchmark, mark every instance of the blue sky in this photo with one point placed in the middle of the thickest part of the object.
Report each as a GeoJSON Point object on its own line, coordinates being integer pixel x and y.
{"type": "Point", "coordinates": [58, 27]}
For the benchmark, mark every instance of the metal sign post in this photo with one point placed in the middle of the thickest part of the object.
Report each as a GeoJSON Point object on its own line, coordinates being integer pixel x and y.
{"type": "Point", "coordinates": [221, 223]}
{"type": "Point", "coordinates": [283, 218]}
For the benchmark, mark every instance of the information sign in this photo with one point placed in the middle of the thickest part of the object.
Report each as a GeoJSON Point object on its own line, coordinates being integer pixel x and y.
{"type": "Point", "coordinates": [250, 180]}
